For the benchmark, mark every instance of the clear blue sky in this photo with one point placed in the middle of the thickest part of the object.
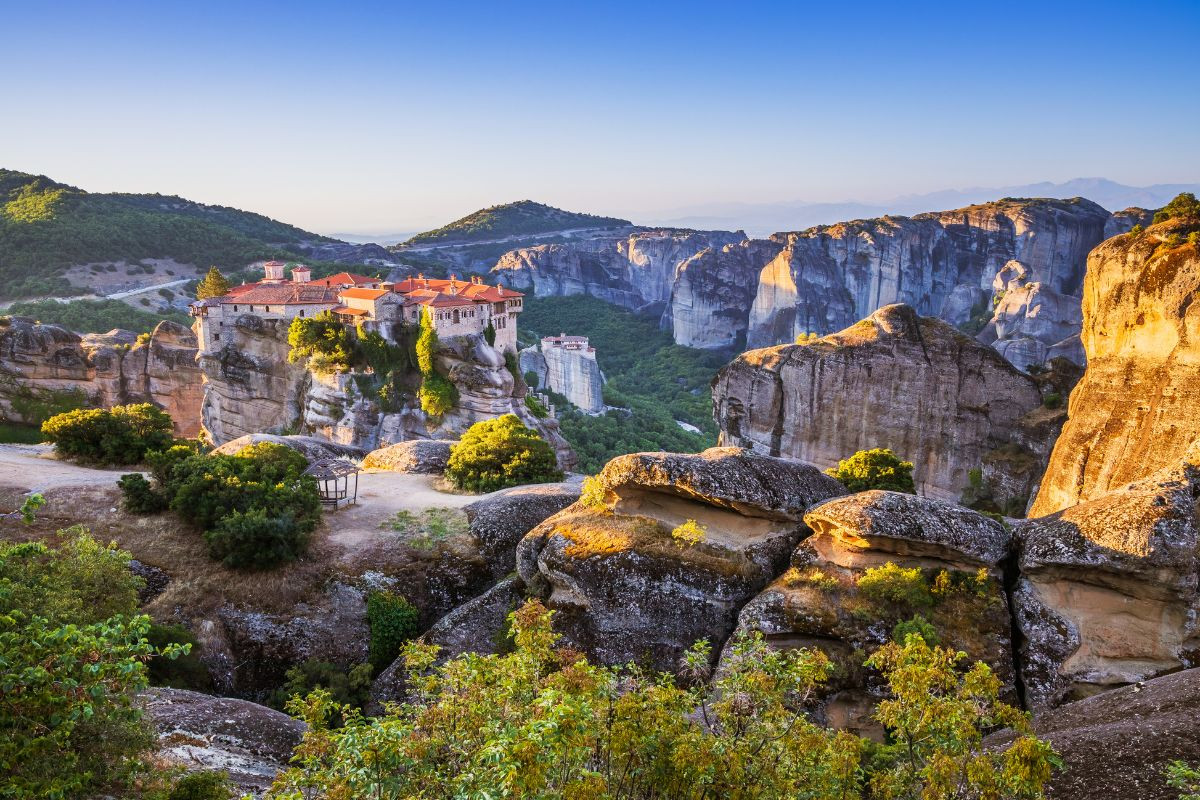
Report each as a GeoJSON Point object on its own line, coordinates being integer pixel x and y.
{"type": "Point", "coordinates": [392, 116]}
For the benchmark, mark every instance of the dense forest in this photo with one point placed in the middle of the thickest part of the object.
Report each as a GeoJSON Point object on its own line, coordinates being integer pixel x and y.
{"type": "Point", "coordinates": [46, 227]}
{"type": "Point", "coordinates": [651, 380]}
{"type": "Point", "coordinates": [510, 219]}
{"type": "Point", "coordinates": [96, 316]}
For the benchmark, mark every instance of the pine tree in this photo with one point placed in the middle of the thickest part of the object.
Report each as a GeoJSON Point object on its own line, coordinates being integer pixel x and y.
{"type": "Point", "coordinates": [213, 285]}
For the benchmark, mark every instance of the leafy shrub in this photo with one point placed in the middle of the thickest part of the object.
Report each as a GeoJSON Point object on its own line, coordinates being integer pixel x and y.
{"type": "Point", "coordinates": [1052, 400]}
{"type": "Point", "coordinates": [437, 394]}
{"type": "Point", "coordinates": [893, 585]}
{"type": "Point", "coordinates": [1186, 778]}
{"type": "Point", "coordinates": [919, 626]}
{"type": "Point", "coordinates": [689, 534]}
{"type": "Point", "coordinates": [875, 469]}
{"type": "Point", "coordinates": [1137, 230]}
{"type": "Point", "coordinates": [498, 453]}
{"type": "Point", "coordinates": [138, 496]}
{"type": "Point", "coordinates": [531, 379]}
{"type": "Point", "coordinates": [120, 435]}
{"type": "Point", "coordinates": [253, 540]}
{"type": "Point", "coordinates": [186, 671]}
{"type": "Point", "coordinates": [323, 341]}
{"type": "Point", "coordinates": [593, 494]}
{"type": "Point", "coordinates": [392, 621]}
{"type": "Point", "coordinates": [346, 687]}
{"type": "Point", "coordinates": [203, 785]}
{"type": "Point", "coordinates": [1183, 206]}
{"type": "Point", "coordinates": [535, 407]}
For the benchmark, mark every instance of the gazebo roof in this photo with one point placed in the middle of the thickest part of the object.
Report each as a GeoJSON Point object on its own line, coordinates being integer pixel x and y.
{"type": "Point", "coordinates": [324, 469]}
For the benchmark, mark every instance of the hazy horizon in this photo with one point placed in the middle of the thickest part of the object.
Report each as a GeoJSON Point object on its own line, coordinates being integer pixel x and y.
{"type": "Point", "coordinates": [386, 119]}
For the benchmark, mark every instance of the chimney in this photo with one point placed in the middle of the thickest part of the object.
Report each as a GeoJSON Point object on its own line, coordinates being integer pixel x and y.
{"type": "Point", "coordinates": [301, 274]}
{"type": "Point", "coordinates": [388, 286]}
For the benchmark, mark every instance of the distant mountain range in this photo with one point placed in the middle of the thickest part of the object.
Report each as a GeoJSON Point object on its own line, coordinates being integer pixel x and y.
{"type": "Point", "coordinates": [762, 219]}
{"type": "Point", "coordinates": [522, 218]}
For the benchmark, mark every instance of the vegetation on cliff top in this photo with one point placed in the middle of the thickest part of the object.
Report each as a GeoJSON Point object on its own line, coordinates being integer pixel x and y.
{"type": "Point", "coordinates": [96, 316]}
{"type": "Point", "coordinates": [875, 469]}
{"type": "Point", "coordinates": [498, 453]}
{"type": "Point", "coordinates": [512, 219]}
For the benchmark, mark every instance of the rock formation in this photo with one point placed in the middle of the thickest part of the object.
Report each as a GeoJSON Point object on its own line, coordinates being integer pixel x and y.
{"type": "Point", "coordinates": [723, 289]}
{"type": "Point", "coordinates": [818, 602]}
{"type": "Point", "coordinates": [420, 456]}
{"type": "Point", "coordinates": [624, 589]}
{"type": "Point", "coordinates": [250, 387]}
{"type": "Point", "coordinates": [251, 743]}
{"type": "Point", "coordinates": [40, 362]}
{"type": "Point", "coordinates": [932, 394]}
{"type": "Point", "coordinates": [569, 369]}
{"type": "Point", "coordinates": [310, 447]}
{"type": "Point", "coordinates": [1134, 412]}
{"type": "Point", "coordinates": [1108, 592]}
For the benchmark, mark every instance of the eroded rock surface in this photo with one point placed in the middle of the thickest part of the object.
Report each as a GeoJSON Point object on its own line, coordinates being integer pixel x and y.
{"type": "Point", "coordinates": [310, 447]}
{"type": "Point", "coordinates": [499, 522]}
{"type": "Point", "coordinates": [625, 590]}
{"type": "Point", "coordinates": [420, 456]}
{"type": "Point", "coordinates": [115, 368]}
{"type": "Point", "coordinates": [914, 384]}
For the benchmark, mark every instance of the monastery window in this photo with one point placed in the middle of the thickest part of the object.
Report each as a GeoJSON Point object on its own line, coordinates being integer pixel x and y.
{"type": "Point", "coordinates": [235, 308]}
{"type": "Point", "coordinates": [456, 319]}
{"type": "Point", "coordinates": [216, 337]}
{"type": "Point", "coordinates": [302, 312]}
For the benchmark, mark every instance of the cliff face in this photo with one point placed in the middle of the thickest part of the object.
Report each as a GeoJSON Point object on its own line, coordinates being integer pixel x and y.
{"type": "Point", "coordinates": [38, 361]}
{"type": "Point", "coordinates": [1134, 412]}
{"type": "Point", "coordinates": [250, 387]}
{"type": "Point", "coordinates": [955, 265]}
{"type": "Point", "coordinates": [933, 395]}
{"type": "Point", "coordinates": [572, 373]}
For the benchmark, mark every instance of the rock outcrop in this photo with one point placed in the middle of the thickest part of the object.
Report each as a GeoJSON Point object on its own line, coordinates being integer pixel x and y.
{"type": "Point", "coordinates": [1118, 744]}
{"type": "Point", "coordinates": [932, 394]}
{"type": "Point", "coordinates": [310, 447]}
{"type": "Point", "coordinates": [570, 371]}
{"type": "Point", "coordinates": [39, 363]}
{"type": "Point", "coordinates": [418, 456]}
{"type": "Point", "coordinates": [625, 590]}
{"type": "Point", "coordinates": [1134, 412]}
{"type": "Point", "coordinates": [820, 603]}
{"type": "Point", "coordinates": [1108, 590]}
{"type": "Point", "coordinates": [250, 387]}
{"type": "Point", "coordinates": [499, 521]}
{"type": "Point", "coordinates": [251, 743]}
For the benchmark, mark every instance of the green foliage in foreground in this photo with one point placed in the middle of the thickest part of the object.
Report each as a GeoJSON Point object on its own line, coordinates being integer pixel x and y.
{"type": "Point", "coordinates": [523, 217]}
{"type": "Point", "coordinates": [498, 453]}
{"type": "Point", "coordinates": [541, 723]}
{"type": "Point", "coordinates": [256, 508]}
{"type": "Point", "coordinates": [392, 621]}
{"type": "Point", "coordinates": [875, 469]}
{"type": "Point", "coordinates": [118, 435]}
{"type": "Point", "coordinates": [96, 316]}
{"type": "Point", "coordinates": [72, 653]}
{"type": "Point", "coordinates": [1185, 778]}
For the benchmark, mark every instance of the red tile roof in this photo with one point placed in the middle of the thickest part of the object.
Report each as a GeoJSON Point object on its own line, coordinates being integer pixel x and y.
{"type": "Point", "coordinates": [478, 290]}
{"type": "Point", "coordinates": [281, 294]}
{"type": "Point", "coordinates": [363, 294]}
{"type": "Point", "coordinates": [353, 312]}
{"type": "Point", "coordinates": [345, 279]}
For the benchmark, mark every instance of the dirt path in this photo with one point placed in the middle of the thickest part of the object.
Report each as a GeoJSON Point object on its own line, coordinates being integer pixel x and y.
{"type": "Point", "coordinates": [33, 468]}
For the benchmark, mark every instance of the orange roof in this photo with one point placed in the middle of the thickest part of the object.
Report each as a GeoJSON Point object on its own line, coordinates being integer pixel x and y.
{"type": "Point", "coordinates": [281, 293]}
{"type": "Point", "coordinates": [353, 312]}
{"type": "Point", "coordinates": [481, 291]}
{"type": "Point", "coordinates": [363, 294]}
{"type": "Point", "coordinates": [345, 279]}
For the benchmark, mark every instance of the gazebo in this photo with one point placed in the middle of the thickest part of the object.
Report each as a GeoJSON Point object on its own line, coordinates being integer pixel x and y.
{"type": "Point", "coordinates": [333, 477]}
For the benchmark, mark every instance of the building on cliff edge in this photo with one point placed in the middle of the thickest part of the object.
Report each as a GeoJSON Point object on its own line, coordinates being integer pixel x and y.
{"type": "Point", "coordinates": [567, 365]}
{"type": "Point", "coordinates": [457, 307]}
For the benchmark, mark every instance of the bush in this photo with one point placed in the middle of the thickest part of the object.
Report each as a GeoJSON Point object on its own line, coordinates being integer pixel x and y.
{"type": "Point", "coordinates": [203, 785]}
{"type": "Point", "coordinates": [689, 534]}
{"type": "Point", "coordinates": [535, 407]}
{"type": "Point", "coordinates": [184, 672]}
{"type": "Point", "coordinates": [350, 688]}
{"type": "Point", "coordinates": [138, 496]}
{"type": "Point", "coordinates": [875, 469]}
{"type": "Point", "coordinates": [120, 435]}
{"type": "Point", "coordinates": [323, 340]}
{"type": "Point", "coordinates": [253, 540]}
{"type": "Point", "coordinates": [392, 621]}
{"type": "Point", "coordinates": [498, 453]}
{"type": "Point", "coordinates": [593, 494]}
{"type": "Point", "coordinates": [1183, 206]}
{"type": "Point", "coordinates": [437, 394]}
{"type": "Point", "coordinates": [531, 379]}
{"type": "Point", "coordinates": [891, 585]}
{"type": "Point", "coordinates": [1052, 400]}
{"type": "Point", "coordinates": [489, 334]}
{"type": "Point", "coordinates": [919, 626]}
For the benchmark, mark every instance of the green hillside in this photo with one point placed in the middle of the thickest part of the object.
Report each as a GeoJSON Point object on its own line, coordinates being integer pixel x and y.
{"type": "Point", "coordinates": [511, 219]}
{"type": "Point", "coordinates": [46, 227]}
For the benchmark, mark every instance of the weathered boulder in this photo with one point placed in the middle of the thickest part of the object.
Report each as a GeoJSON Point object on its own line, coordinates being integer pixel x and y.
{"type": "Point", "coordinates": [1118, 744]}
{"type": "Point", "coordinates": [39, 363]}
{"type": "Point", "coordinates": [310, 447]}
{"type": "Point", "coordinates": [820, 603]}
{"type": "Point", "coordinates": [1028, 321]}
{"type": "Point", "coordinates": [419, 456]}
{"type": "Point", "coordinates": [624, 588]}
{"type": "Point", "coordinates": [1134, 412]}
{"type": "Point", "coordinates": [933, 395]}
{"type": "Point", "coordinates": [1108, 589]}
{"type": "Point", "coordinates": [252, 743]}
{"type": "Point", "coordinates": [500, 520]}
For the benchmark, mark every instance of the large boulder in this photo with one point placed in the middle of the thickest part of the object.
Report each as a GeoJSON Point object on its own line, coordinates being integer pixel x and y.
{"type": "Point", "coordinates": [252, 743]}
{"type": "Point", "coordinates": [624, 589]}
{"type": "Point", "coordinates": [819, 602]}
{"type": "Point", "coordinates": [1108, 589]}
{"type": "Point", "coordinates": [935, 396]}
{"type": "Point", "coordinates": [310, 447]}
{"type": "Point", "coordinates": [1134, 412]}
{"type": "Point", "coordinates": [420, 456]}
{"type": "Point", "coordinates": [500, 520]}
{"type": "Point", "coordinates": [1118, 744]}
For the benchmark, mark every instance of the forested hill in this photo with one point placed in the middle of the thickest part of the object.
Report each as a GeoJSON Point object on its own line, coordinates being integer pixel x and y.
{"type": "Point", "coordinates": [47, 226]}
{"type": "Point", "coordinates": [513, 219]}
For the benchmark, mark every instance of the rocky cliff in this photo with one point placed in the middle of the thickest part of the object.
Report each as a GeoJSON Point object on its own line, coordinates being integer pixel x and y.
{"type": "Point", "coordinates": [571, 373]}
{"type": "Point", "coordinates": [1134, 412]}
{"type": "Point", "coordinates": [250, 387]}
{"type": "Point", "coordinates": [41, 362]}
{"type": "Point", "coordinates": [914, 384]}
{"type": "Point", "coordinates": [722, 289]}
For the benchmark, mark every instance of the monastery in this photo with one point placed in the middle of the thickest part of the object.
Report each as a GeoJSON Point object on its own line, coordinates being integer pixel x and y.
{"type": "Point", "coordinates": [457, 307]}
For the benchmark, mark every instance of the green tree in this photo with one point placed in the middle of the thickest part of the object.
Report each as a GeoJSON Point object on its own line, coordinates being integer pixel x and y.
{"type": "Point", "coordinates": [324, 341]}
{"type": "Point", "coordinates": [118, 435]}
{"type": "Point", "coordinates": [214, 284]}
{"type": "Point", "coordinates": [392, 621]}
{"type": "Point", "coordinates": [1183, 206]}
{"type": "Point", "coordinates": [875, 469]}
{"type": "Point", "coordinates": [501, 452]}
{"type": "Point", "coordinates": [427, 343]}
{"type": "Point", "coordinates": [72, 653]}
{"type": "Point", "coordinates": [1186, 778]}
{"type": "Point", "coordinates": [489, 333]}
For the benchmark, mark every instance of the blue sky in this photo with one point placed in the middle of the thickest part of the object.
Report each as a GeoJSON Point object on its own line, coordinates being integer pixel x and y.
{"type": "Point", "coordinates": [392, 116]}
